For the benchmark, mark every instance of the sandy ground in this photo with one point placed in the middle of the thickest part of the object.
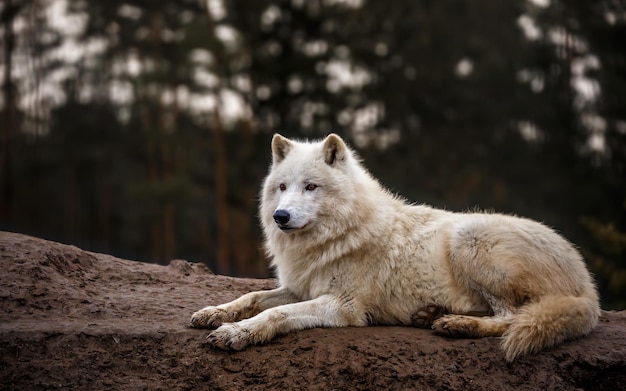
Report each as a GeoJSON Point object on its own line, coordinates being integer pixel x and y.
{"type": "Point", "coordinates": [71, 319]}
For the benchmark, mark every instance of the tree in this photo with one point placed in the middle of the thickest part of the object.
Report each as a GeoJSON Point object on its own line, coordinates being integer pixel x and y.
{"type": "Point", "coordinates": [9, 11]}
{"type": "Point", "coordinates": [513, 106]}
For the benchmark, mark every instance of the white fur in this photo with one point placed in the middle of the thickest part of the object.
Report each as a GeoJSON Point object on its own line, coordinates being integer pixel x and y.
{"type": "Point", "coordinates": [352, 254]}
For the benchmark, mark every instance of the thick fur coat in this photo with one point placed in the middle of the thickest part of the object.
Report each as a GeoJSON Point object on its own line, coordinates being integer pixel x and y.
{"type": "Point", "coordinates": [349, 253]}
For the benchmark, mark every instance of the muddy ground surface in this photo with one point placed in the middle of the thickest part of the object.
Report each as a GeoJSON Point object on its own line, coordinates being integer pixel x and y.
{"type": "Point", "coordinates": [71, 319]}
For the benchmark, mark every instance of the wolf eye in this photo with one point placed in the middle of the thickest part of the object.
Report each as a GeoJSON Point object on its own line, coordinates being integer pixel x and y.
{"type": "Point", "coordinates": [310, 187]}
{"type": "Point", "coordinates": [282, 187]}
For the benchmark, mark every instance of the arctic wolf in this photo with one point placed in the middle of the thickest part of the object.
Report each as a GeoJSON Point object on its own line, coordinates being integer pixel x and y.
{"type": "Point", "coordinates": [349, 253]}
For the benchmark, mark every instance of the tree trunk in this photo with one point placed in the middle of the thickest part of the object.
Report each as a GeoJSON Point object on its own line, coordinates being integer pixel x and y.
{"type": "Point", "coordinates": [6, 158]}
{"type": "Point", "coordinates": [221, 194]}
{"type": "Point", "coordinates": [224, 236]}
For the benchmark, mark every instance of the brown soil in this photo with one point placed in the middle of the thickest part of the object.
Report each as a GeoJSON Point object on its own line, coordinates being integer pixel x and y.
{"type": "Point", "coordinates": [73, 319]}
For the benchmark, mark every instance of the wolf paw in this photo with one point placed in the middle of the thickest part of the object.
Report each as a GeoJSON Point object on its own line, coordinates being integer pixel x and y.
{"type": "Point", "coordinates": [230, 336]}
{"type": "Point", "coordinates": [457, 326]}
{"type": "Point", "coordinates": [210, 318]}
{"type": "Point", "coordinates": [424, 317]}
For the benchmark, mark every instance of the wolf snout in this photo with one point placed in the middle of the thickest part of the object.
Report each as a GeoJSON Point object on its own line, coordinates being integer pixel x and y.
{"type": "Point", "coordinates": [281, 216]}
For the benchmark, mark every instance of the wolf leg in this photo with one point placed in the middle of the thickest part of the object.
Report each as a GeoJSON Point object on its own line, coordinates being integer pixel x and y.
{"type": "Point", "coordinates": [324, 311]}
{"type": "Point", "coordinates": [535, 282]}
{"type": "Point", "coordinates": [464, 326]}
{"type": "Point", "coordinates": [533, 327]}
{"type": "Point", "coordinates": [246, 306]}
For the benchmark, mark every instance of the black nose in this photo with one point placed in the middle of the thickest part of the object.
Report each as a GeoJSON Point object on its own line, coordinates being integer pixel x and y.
{"type": "Point", "coordinates": [281, 216]}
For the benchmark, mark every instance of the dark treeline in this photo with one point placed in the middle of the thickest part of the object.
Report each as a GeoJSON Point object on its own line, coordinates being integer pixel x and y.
{"type": "Point", "coordinates": [142, 128]}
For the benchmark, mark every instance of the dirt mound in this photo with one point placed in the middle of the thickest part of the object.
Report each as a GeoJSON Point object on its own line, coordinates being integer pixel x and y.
{"type": "Point", "coordinates": [78, 320]}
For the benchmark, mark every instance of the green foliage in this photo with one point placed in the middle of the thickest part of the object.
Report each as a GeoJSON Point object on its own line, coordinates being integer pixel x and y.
{"type": "Point", "coordinates": [608, 257]}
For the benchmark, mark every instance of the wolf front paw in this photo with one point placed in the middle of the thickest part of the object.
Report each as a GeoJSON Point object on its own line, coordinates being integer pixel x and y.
{"type": "Point", "coordinates": [210, 318]}
{"type": "Point", "coordinates": [230, 336]}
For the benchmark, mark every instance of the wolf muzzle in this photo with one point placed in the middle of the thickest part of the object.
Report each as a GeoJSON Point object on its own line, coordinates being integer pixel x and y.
{"type": "Point", "coordinates": [281, 217]}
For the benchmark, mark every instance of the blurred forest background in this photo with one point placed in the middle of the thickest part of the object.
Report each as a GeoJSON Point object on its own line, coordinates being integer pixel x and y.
{"type": "Point", "coordinates": [141, 128]}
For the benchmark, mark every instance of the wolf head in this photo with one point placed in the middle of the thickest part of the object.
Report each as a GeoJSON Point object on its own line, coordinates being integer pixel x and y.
{"type": "Point", "coordinates": [310, 186]}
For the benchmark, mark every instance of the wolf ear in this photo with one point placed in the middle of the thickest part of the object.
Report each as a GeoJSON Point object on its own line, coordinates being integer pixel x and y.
{"type": "Point", "coordinates": [280, 147]}
{"type": "Point", "coordinates": [335, 150]}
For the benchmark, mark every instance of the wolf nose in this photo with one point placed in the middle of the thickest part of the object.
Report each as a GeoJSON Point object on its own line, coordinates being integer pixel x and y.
{"type": "Point", "coordinates": [281, 216]}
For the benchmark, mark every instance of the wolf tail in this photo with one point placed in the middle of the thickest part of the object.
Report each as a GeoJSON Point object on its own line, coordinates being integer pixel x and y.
{"type": "Point", "coordinates": [550, 321]}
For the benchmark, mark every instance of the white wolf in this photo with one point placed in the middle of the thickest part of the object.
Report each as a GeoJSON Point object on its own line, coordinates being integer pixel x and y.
{"type": "Point", "coordinates": [349, 253]}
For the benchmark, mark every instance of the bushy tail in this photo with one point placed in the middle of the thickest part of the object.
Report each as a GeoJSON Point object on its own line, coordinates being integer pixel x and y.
{"type": "Point", "coordinates": [549, 322]}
